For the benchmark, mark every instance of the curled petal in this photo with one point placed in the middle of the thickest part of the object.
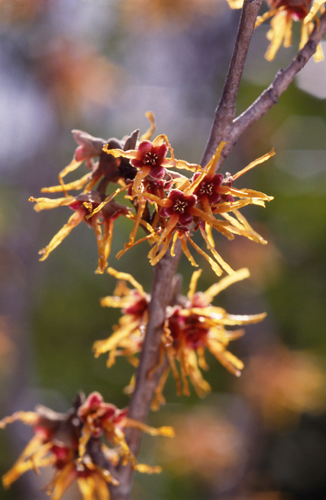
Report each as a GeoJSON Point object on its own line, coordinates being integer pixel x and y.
{"type": "Point", "coordinates": [75, 185]}
{"type": "Point", "coordinates": [201, 386]}
{"type": "Point", "coordinates": [186, 251]}
{"type": "Point", "coordinates": [228, 360]}
{"type": "Point", "coordinates": [148, 134]}
{"type": "Point", "coordinates": [74, 220]}
{"type": "Point", "coordinates": [245, 319]}
{"type": "Point", "coordinates": [147, 469]}
{"type": "Point", "coordinates": [215, 254]}
{"type": "Point", "coordinates": [28, 417]}
{"type": "Point", "coordinates": [47, 203]}
{"type": "Point", "coordinates": [29, 459]}
{"type": "Point", "coordinates": [224, 283]}
{"type": "Point", "coordinates": [281, 30]}
{"type": "Point", "coordinates": [211, 167]}
{"type": "Point", "coordinates": [126, 277]}
{"type": "Point", "coordinates": [216, 268]}
{"type": "Point", "coordinates": [102, 346]}
{"type": "Point", "coordinates": [254, 164]}
{"type": "Point", "coordinates": [103, 244]}
{"type": "Point", "coordinates": [161, 431]}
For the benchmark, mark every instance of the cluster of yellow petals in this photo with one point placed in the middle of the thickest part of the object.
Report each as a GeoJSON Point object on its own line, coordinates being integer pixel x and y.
{"type": "Point", "coordinates": [53, 446]}
{"type": "Point", "coordinates": [151, 189]}
{"type": "Point", "coordinates": [282, 14]}
{"type": "Point", "coordinates": [281, 32]}
{"type": "Point", "coordinates": [128, 335]}
{"type": "Point", "coordinates": [231, 223]}
{"type": "Point", "coordinates": [192, 359]}
{"type": "Point", "coordinates": [38, 454]}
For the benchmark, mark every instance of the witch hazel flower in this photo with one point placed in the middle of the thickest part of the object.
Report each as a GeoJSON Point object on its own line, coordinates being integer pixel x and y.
{"type": "Point", "coordinates": [282, 14]}
{"type": "Point", "coordinates": [195, 205]}
{"type": "Point", "coordinates": [151, 160]}
{"type": "Point", "coordinates": [165, 203]}
{"type": "Point", "coordinates": [93, 206]}
{"type": "Point", "coordinates": [207, 192]}
{"type": "Point", "coordinates": [82, 446]}
{"type": "Point", "coordinates": [195, 327]}
{"type": "Point", "coordinates": [178, 207]}
{"type": "Point", "coordinates": [128, 335]}
{"type": "Point", "coordinates": [191, 327]}
{"type": "Point", "coordinates": [100, 418]}
{"type": "Point", "coordinates": [104, 168]}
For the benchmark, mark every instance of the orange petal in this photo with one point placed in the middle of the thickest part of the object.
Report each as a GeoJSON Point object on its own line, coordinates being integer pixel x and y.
{"type": "Point", "coordinates": [86, 486]}
{"type": "Point", "coordinates": [277, 33]}
{"type": "Point", "coordinates": [224, 283]}
{"type": "Point", "coordinates": [48, 203]}
{"type": "Point", "coordinates": [193, 283]}
{"type": "Point", "coordinates": [28, 417]}
{"type": "Point", "coordinates": [62, 481]}
{"type": "Point", "coordinates": [73, 165]}
{"type": "Point", "coordinates": [161, 431]}
{"type": "Point", "coordinates": [75, 185]}
{"type": "Point", "coordinates": [118, 153]}
{"type": "Point", "coordinates": [148, 469]}
{"type": "Point", "coordinates": [126, 277]}
{"type": "Point", "coordinates": [254, 164]}
{"type": "Point", "coordinates": [103, 243]}
{"type": "Point", "coordinates": [216, 268]}
{"type": "Point", "coordinates": [74, 220]}
{"type": "Point", "coordinates": [106, 201]}
{"type": "Point", "coordinates": [212, 164]}
{"type": "Point", "coordinates": [215, 254]}
{"type": "Point", "coordinates": [186, 251]}
{"type": "Point", "coordinates": [228, 360]}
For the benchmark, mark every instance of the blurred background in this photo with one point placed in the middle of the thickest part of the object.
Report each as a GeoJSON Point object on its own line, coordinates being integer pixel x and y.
{"type": "Point", "coordinates": [98, 66]}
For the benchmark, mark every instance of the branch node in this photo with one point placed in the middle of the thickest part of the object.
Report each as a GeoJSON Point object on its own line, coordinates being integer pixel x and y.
{"type": "Point", "coordinates": [273, 95]}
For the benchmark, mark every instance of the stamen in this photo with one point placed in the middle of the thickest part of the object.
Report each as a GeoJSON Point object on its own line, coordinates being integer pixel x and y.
{"type": "Point", "coordinates": [151, 158]}
{"type": "Point", "coordinates": [180, 206]}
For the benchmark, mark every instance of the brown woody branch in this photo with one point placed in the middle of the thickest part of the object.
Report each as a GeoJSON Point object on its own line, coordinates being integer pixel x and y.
{"type": "Point", "coordinates": [282, 80]}
{"type": "Point", "coordinates": [162, 291]}
{"type": "Point", "coordinates": [225, 111]}
{"type": "Point", "coordinates": [271, 95]}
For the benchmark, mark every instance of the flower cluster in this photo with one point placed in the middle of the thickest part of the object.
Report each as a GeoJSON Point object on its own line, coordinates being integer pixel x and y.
{"type": "Point", "coordinates": [73, 444]}
{"type": "Point", "coordinates": [128, 335]}
{"type": "Point", "coordinates": [88, 442]}
{"type": "Point", "coordinates": [282, 14]}
{"type": "Point", "coordinates": [168, 205]}
{"type": "Point", "coordinates": [191, 326]}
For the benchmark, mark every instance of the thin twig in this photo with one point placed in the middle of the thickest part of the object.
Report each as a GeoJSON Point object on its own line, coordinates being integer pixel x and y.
{"type": "Point", "coordinates": [271, 95]}
{"type": "Point", "coordinates": [225, 111]}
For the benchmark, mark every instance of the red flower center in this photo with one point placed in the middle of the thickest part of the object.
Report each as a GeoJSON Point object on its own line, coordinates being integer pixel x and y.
{"type": "Point", "coordinates": [206, 188]}
{"type": "Point", "coordinates": [180, 206]}
{"type": "Point", "coordinates": [151, 158]}
{"type": "Point", "coordinates": [138, 307]}
{"type": "Point", "coordinates": [195, 336]}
